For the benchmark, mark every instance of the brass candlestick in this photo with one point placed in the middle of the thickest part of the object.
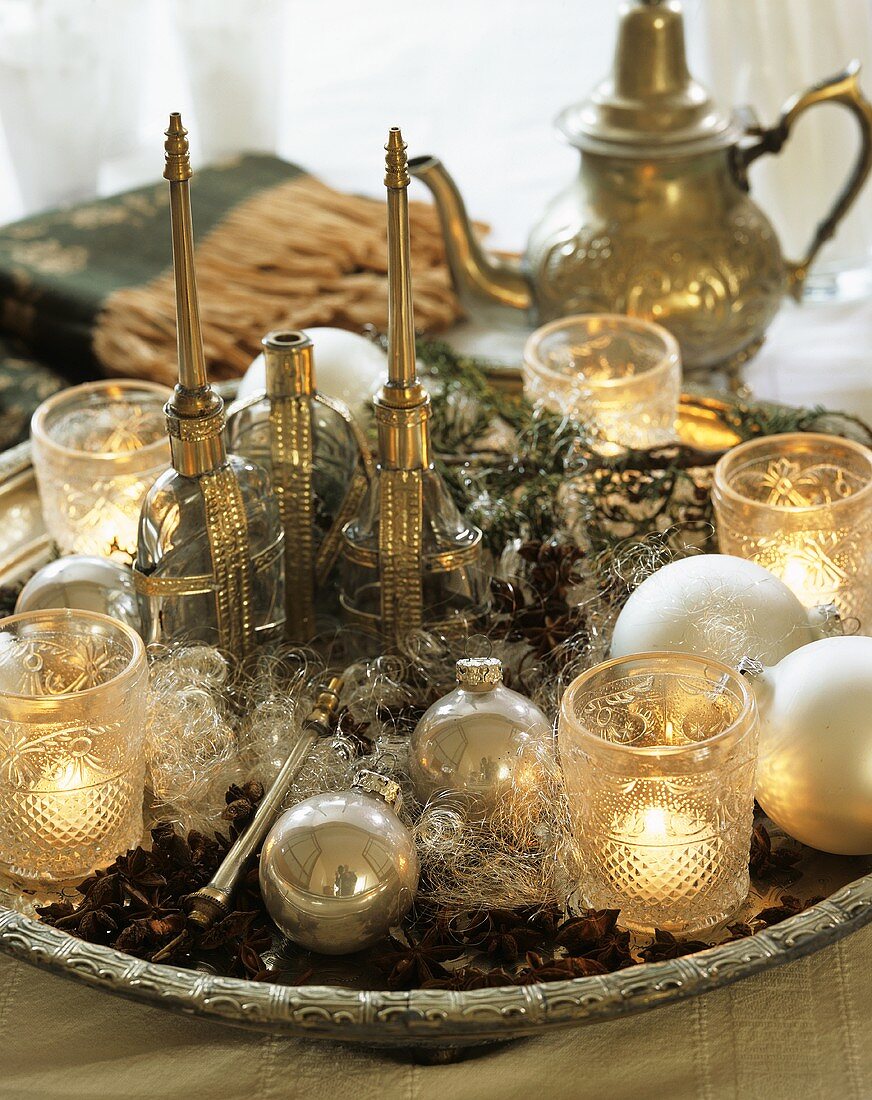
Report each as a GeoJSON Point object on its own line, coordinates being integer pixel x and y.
{"type": "Point", "coordinates": [410, 556]}
{"type": "Point", "coordinates": [214, 900]}
{"type": "Point", "coordinates": [209, 565]}
{"type": "Point", "coordinates": [319, 463]}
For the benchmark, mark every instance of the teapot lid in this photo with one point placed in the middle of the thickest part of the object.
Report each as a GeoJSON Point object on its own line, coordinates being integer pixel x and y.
{"type": "Point", "coordinates": [649, 103]}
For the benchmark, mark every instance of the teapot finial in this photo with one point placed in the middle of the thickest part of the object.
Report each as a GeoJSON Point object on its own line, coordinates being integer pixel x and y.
{"type": "Point", "coordinates": [649, 100]}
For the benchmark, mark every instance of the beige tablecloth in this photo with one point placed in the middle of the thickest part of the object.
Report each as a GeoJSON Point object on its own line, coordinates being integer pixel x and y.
{"type": "Point", "coordinates": [803, 1031]}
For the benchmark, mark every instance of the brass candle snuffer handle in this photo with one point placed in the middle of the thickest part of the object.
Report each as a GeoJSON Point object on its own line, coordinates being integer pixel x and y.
{"type": "Point", "coordinates": [214, 901]}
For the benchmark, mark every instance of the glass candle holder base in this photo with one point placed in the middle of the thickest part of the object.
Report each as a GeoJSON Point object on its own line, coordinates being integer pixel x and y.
{"type": "Point", "coordinates": [658, 752]}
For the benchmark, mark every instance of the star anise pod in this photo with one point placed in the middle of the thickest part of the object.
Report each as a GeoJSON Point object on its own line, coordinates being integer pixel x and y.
{"type": "Point", "coordinates": [409, 965]}
{"type": "Point", "coordinates": [540, 969]}
{"type": "Point", "coordinates": [249, 963]}
{"type": "Point", "coordinates": [471, 977]}
{"type": "Point", "coordinates": [666, 946]}
{"type": "Point", "coordinates": [354, 733]}
{"type": "Point", "coordinates": [241, 803]}
{"type": "Point", "coordinates": [554, 567]}
{"type": "Point", "coordinates": [787, 906]}
{"type": "Point", "coordinates": [766, 862]}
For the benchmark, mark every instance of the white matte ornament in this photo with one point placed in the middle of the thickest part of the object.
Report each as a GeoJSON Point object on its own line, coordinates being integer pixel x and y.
{"type": "Point", "coordinates": [338, 870]}
{"type": "Point", "coordinates": [350, 368]}
{"type": "Point", "coordinates": [86, 584]}
{"type": "Point", "coordinates": [814, 776]}
{"type": "Point", "coordinates": [469, 742]}
{"type": "Point", "coordinates": [714, 605]}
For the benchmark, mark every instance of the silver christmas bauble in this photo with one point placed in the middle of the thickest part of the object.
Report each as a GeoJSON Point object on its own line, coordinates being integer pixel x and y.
{"type": "Point", "coordinates": [814, 775]}
{"type": "Point", "coordinates": [85, 584]}
{"type": "Point", "coordinates": [339, 869]}
{"type": "Point", "coordinates": [471, 741]}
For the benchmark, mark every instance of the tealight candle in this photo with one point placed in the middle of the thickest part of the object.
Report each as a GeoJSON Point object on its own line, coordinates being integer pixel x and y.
{"type": "Point", "coordinates": [658, 752]}
{"type": "Point", "coordinates": [621, 375]}
{"type": "Point", "coordinates": [97, 449]}
{"type": "Point", "coordinates": [801, 505]}
{"type": "Point", "coordinates": [72, 743]}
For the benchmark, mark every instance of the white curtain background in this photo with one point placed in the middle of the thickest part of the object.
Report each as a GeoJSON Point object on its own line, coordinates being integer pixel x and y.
{"type": "Point", "coordinates": [86, 87]}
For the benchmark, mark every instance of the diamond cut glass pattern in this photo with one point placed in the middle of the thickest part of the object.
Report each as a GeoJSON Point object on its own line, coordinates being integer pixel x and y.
{"type": "Point", "coordinates": [72, 757]}
{"type": "Point", "coordinates": [659, 752]}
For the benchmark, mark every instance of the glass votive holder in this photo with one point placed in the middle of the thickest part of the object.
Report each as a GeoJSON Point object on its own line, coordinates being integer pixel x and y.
{"type": "Point", "coordinates": [97, 449]}
{"type": "Point", "coordinates": [658, 753]}
{"type": "Point", "coordinates": [800, 505]}
{"type": "Point", "coordinates": [620, 375]}
{"type": "Point", "coordinates": [72, 744]}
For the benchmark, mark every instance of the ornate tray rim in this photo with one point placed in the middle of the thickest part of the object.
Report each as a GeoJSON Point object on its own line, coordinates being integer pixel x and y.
{"type": "Point", "coordinates": [436, 1017]}
{"type": "Point", "coordinates": [417, 1018]}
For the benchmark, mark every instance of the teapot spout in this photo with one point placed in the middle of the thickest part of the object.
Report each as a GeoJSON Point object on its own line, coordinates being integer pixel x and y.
{"type": "Point", "coordinates": [478, 278]}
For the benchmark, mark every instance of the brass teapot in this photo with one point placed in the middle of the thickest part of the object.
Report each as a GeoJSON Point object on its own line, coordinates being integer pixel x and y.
{"type": "Point", "coordinates": [659, 223]}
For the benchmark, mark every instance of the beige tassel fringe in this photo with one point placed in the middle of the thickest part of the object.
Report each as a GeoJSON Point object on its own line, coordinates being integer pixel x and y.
{"type": "Point", "coordinates": [294, 256]}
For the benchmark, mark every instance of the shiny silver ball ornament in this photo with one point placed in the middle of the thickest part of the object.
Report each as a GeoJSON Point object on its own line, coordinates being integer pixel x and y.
{"type": "Point", "coordinates": [86, 584]}
{"type": "Point", "coordinates": [471, 741]}
{"type": "Point", "coordinates": [339, 869]}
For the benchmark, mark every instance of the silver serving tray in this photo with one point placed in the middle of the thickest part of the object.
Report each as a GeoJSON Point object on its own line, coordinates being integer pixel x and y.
{"type": "Point", "coordinates": [437, 1021]}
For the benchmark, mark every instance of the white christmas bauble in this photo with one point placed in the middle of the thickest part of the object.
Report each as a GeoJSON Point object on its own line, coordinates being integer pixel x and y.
{"type": "Point", "coordinates": [814, 776]}
{"type": "Point", "coordinates": [339, 869]}
{"type": "Point", "coordinates": [714, 605]}
{"type": "Point", "coordinates": [347, 366]}
{"type": "Point", "coordinates": [85, 583]}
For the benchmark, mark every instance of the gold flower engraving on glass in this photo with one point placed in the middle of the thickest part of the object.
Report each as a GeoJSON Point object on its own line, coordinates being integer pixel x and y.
{"type": "Point", "coordinates": [801, 506]}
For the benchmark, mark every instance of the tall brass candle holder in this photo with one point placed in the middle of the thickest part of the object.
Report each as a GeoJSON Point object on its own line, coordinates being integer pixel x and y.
{"type": "Point", "coordinates": [318, 461]}
{"type": "Point", "coordinates": [410, 557]}
{"type": "Point", "coordinates": [209, 555]}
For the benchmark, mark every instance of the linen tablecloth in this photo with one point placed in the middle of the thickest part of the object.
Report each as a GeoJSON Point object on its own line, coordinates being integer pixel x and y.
{"type": "Point", "coordinates": [804, 1030]}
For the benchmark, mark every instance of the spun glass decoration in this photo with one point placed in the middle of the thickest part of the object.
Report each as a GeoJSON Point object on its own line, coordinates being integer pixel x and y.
{"type": "Point", "coordinates": [658, 753]}
{"type": "Point", "coordinates": [620, 375]}
{"type": "Point", "coordinates": [72, 743]}
{"type": "Point", "coordinates": [97, 449]}
{"type": "Point", "coordinates": [800, 505]}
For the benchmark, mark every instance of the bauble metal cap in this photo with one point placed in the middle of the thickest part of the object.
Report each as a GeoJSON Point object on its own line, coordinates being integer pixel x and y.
{"type": "Point", "coordinates": [471, 671]}
{"type": "Point", "coordinates": [380, 785]}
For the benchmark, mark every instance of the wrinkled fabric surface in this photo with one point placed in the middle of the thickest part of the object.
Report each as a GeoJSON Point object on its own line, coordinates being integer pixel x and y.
{"type": "Point", "coordinates": [802, 1030]}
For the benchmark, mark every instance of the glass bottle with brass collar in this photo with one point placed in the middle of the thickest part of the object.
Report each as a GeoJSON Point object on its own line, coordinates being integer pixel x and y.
{"type": "Point", "coordinates": [209, 566]}
{"type": "Point", "coordinates": [411, 560]}
{"type": "Point", "coordinates": [319, 464]}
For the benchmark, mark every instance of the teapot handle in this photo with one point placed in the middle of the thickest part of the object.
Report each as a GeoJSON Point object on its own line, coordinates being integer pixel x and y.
{"type": "Point", "coordinates": [845, 89]}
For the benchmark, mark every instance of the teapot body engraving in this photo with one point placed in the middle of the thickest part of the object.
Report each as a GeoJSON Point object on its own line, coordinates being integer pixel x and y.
{"type": "Point", "coordinates": [688, 249]}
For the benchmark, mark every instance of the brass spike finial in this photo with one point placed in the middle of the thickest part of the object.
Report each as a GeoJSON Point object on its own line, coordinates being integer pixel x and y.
{"type": "Point", "coordinates": [178, 162]}
{"type": "Point", "coordinates": [396, 161]}
{"type": "Point", "coordinates": [402, 372]}
{"type": "Point", "coordinates": [198, 447]}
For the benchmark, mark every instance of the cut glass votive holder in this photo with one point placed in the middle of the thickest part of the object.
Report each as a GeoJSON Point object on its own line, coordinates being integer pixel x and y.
{"type": "Point", "coordinates": [620, 375]}
{"type": "Point", "coordinates": [658, 753]}
{"type": "Point", "coordinates": [97, 449]}
{"type": "Point", "coordinates": [800, 505]}
{"type": "Point", "coordinates": [72, 744]}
